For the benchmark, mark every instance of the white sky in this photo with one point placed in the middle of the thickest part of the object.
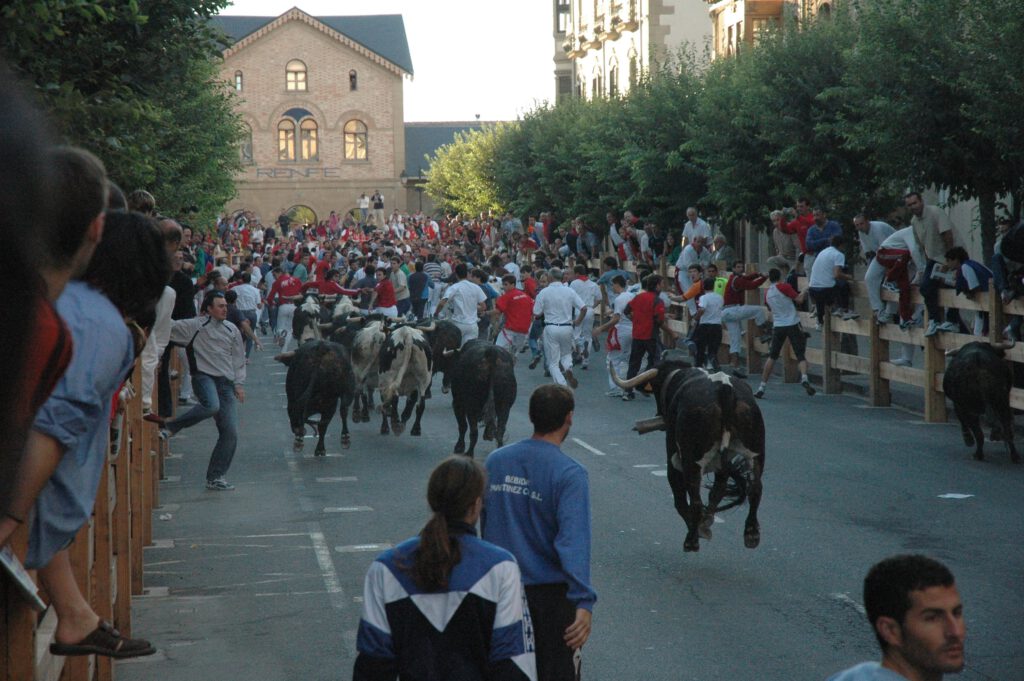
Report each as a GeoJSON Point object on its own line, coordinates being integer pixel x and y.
{"type": "Point", "coordinates": [486, 57]}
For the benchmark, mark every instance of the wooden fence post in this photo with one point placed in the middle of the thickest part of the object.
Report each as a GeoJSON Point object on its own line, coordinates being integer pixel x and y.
{"type": "Point", "coordinates": [17, 622]}
{"type": "Point", "coordinates": [996, 318]}
{"type": "Point", "coordinates": [879, 387]}
{"type": "Point", "coordinates": [830, 374]}
{"type": "Point", "coordinates": [934, 363]}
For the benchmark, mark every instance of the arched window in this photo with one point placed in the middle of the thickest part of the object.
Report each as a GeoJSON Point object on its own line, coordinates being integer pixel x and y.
{"type": "Point", "coordinates": [308, 146]}
{"type": "Point", "coordinates": [246, 146]}
{"type": "Point", "coordinates": [238, 81]}
{"type": "Point", "coordinates": [632, 71]}
{"type": "Point", "coordinates": [353, 80]}
{"type": "Point", "coordinates": [613, 81]}
{"type": "Point", "coordinates": [295, 76]}
{"type": "Point", "coordinates": [286, 140]}
{"type": "Point", "coordinates": [355, 141]}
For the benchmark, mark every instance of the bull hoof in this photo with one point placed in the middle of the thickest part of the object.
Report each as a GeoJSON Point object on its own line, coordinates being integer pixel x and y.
{"type": "Point", "coordinates": [979, 456]}
{"type": "Point", "coordinates": [968, 438]}
{"type": "Point", "coordinates": [689, 545]}
{"type": "Point", "coordinates": [445, 388]}
{"type": "Point", "coordinates": [996, 435]}
{"type": "Point", "coordinates": [426, 395]}
{"type": "Point", "coordinates": [704, 530]}
{"type": "Point", "coordinates": [320, 452]}
{"type": "Point", "coordinates": [415, 431]}
{"type": "Point", "coordinates": [751, 539]}
{"type": "Point", "coordinates": [397, 428]}
{"type": "Point", "coordinates": [346, 443]}
{"type": "Point", "coordinates": [460, 448]}
{"type": "Point", "coordinates": [384, 430]}
{"type": "Point", "coordinates": [489, 433]}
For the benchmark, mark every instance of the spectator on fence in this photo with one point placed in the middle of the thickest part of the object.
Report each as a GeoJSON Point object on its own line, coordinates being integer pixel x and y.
{"type": "Point", "coordinates": [475, 586]}
{"type": "Point", "coordinates": [216, 355]}
{"type": "Point", "coordinates": [67, 450]}
{"type": "Point", "coordinates": [890, 266]}
{"type": "Point", "coordinates": [723, 252]}
{"type": "Point", "coordinates": [787, 245]}
{"type": "Point", "coordinates": [800, 224]}
{"type": "Point", "coordinates": [693, 253]}
{"type": "Point", "coordinates": [1008, 274]}
{"type": "Point", "coordinates": [819, 237]}
{"type": "Point", "coordinates": [782, 299]}
{"type": "Point", "coordinates": [829, 282]}
{"type": "Point", "coordinates": [143, 202]}
{"type": "Point", "coordinates": [934, 232]}
{"type": "Point", "coordinates": [916, 614]}
{"type": "Point", "coordinates": [736, 310]}
{"type": "Point", "coordinates": [871, 234]}
{"type": "Point", "coordinates": [156, 342]}
{"type": "Point", "coordinates": [971, 278]}
{"type": "Point", "coordinates": [695, 226]}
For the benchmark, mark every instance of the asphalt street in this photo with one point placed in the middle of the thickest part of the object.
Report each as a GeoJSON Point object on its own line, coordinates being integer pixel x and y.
{"type": "Point", "coordinates": [265, 582]}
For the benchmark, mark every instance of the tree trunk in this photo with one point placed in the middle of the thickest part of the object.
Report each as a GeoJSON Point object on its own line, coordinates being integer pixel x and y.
{"type": "Point", "coordinates": [987, 210]}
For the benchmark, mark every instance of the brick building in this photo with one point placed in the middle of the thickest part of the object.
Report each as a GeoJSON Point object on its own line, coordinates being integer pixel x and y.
{"type": "Point", "coordinates": [322, 100]}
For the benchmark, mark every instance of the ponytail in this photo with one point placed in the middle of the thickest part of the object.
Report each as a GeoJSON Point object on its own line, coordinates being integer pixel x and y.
{"type": "Point", "coordinates": [454, 487]}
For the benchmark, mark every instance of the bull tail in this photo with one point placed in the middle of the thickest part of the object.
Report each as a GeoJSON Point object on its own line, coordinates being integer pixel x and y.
{"type": "Point", "coordinates": [306, 396]}
{"type": "Point", "coordinates": [727, 406]}
{"type": "Point", "coordinates": [736, 467]}
{"type": "Point", "coordinates": [739, 472]}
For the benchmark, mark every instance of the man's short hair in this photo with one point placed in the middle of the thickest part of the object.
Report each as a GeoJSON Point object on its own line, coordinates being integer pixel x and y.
{"type": "Point", "coordinates": [209, 298]}
{"type": "Point", "coordinates": [461, 271]}
{"type": "Point", "coordinates": [837, 241]}
{"type": "Point", "coordinates": [888, 585]}
{"type": "Point", "coordinates": [555, 274]}
{"type": "Point", "coordinates": [958, 253]}
{"type": "Point", "coordinates": [550, 404]}
{"type": "Point", "coordinates": [611, 262]}
{"type": "Point", "coordinates": [80, 195]}
{"type": "Point", "coordinates": [580, 269]}
{"type": "Point", "coordinates": [651, 282]}
{"type": "Point", "coordinates": [774, 275]}
{"type": "Point", "coordinates": [509, 279]}
{"type": "Point", "coordinates": [914, 194]}
{"type": "Point", "coordinates": [620, 280]}
{"type": "Point", "coordinates": [115, 197]}
{"type": "Point", "coordinates": [231, 296]}
{"type": "Point", "coordinates": [142, 201]}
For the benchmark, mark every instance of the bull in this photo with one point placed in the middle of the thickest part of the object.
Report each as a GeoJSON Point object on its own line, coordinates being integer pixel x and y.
{"type": "Point", "coordinates": [405, 365]}
{"type": "Point", "coordinates": [444, 338]}
{"type": "Point", "coordinates": [483, 383]}
{"type": "Point", "coordinates": [319, 379]}
{"type": "Point", "coordinates": [366, 347]}
{"type": "Point", "coordinates": [712, 424]}
{"type": "Point", "coordinates": [306, 322]}
{"type": "Point", "coordinates": [978, 381]}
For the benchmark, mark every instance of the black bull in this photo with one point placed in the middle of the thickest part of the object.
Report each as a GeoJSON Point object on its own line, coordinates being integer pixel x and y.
{"type": "Point", "coordinates": [978, 381]}
{"type": "Point", "coordinates": [711, 423]}
{"type": "Point", "coordinates": [484, 387]}
{"type": "Point", "coordinates": [319, 379]}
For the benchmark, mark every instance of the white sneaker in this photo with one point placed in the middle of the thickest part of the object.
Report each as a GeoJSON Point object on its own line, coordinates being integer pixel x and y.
{"type": "Point", "coordinates": [883, 318]}
{"type": "Point", "coordinates": [818, 326]}
{"type": "Point", "coordinates": [850, 314]}
{"type": "Point", "coordinates": [949, 327]}
{"type": "Point", "coordinates": [901, 362]}
{"type": "Point", "coordinates": [613, 393]}
{"type": "Point", "coordinates": [891, 286]}
{"type": "Point", "coordinates": [933, 328]}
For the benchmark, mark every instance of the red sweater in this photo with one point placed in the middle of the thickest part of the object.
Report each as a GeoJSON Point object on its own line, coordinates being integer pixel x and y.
{"type": "Point", "coordinates": [799, 226]}
{"type": "Point", "coordinates": [385, 294]}
{"type": "Point", "coordinates": [644, 309]}
{"type": "Point", "coordinates": [738, 284]}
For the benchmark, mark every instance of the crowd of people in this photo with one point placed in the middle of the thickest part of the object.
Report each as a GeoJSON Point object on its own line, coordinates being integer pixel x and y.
{"type": "Point", "coordinates": [130, 284]}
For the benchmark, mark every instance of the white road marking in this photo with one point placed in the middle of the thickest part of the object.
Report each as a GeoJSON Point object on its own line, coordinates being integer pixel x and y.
{"type": "Point", "coordinates": [955, 495]}
{"type": "Point", "coordinates": [592, 450]}
{"type": "Point", "coordinates": [358, 548]}
{"type": "Point", "coordinates": [646, 465]}
{"type": "Point", "coordinates": [346, 478]}
{"type": "Point", "coordinates": [661, 473]}
{"type": "Point", "coordinates": [316, 536]}
{"type": "Point", "coordinates": [171, 478]}
{"type": "Point", "coordinates": [347, 509]}
{"type": "Point", "coordinates": [845, 598]}
{"type": "Point", "coordinates": [278, 373]}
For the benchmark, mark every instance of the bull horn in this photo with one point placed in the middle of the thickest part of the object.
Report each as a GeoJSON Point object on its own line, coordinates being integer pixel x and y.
{"type": "Point", "coordinates": [284, 356]}
{"type": "Point", "coordinates": [326, 327]}
{"type": "Point", "coordinates": [428, 329]}
{"type": "Point", "coordinates": [633, 382]}
{"type": "Point", "coordinates": [649, 425]}
{"type": "Point", "coordinates": [1003, 345]}
{"type": "Point", "coordinates": [449, 353]}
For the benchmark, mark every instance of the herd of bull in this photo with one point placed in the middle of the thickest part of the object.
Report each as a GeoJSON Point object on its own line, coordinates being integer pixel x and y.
{"type": "Point", "coordinates": [344, 357]}
{"type": "Point", "coordinates": [712, 421]}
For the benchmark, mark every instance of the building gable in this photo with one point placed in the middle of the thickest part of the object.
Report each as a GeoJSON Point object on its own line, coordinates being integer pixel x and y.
{"type": "Point", "coordinates": [379, 38]}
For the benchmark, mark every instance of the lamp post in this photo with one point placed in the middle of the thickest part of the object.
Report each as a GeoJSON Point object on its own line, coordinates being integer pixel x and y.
{"type": "Point", "coordinates": [404, 179]}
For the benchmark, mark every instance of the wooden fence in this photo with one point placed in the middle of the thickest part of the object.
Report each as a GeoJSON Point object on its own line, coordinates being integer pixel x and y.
{"type": "Point", "coordinates": [106, 555]}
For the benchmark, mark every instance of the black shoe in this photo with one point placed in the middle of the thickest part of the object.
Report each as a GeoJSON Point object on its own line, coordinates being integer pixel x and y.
{"type": "Point", "coordinates": [759, 394]}
{"type": "Point", "coordinates": [534, 362]}
{"type": "Point", "coordinates": [808, 387]}
{"type": "Point", "coordinates": [738, 372]}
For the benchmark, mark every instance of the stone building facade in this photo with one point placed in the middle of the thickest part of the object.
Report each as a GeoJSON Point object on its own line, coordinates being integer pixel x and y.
{"type": "Point", "coordinates": [322, 99]}
{"type": "Point", "coordinates": [741, 22]}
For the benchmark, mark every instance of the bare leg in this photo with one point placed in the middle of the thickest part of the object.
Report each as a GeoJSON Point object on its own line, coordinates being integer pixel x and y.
{"type": "Point", "coordinates": [75, 618]}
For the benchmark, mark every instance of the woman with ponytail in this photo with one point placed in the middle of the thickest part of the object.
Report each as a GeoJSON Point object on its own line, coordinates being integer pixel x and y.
{"type": "Point", "coordinates": [446, 605]}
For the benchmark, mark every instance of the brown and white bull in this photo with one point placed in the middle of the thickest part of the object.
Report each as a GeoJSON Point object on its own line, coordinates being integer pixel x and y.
{"type": "Point", "coordinates": [712, 424]}
{"type": "Point", "coordinates": [978, 381]}
{"type": "Point", "coordinates": [365, 349]}
{"type": "Point", "coordinates": [405, 369]}
{"type": "Point", "coordinates": [306, 322]}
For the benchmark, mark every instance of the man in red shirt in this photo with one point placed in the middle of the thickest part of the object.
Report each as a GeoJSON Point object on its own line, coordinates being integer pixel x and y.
{"type": "Point", "coordinates": [529, 283]}
{"type": "Point", "coordinates": [647, 312]}
{"type": "Point", "coordinates": [736, 310]}
{"type": "Point", "coordinates": [283, 293]}
{"type": "Point", "coordinates": [517, 308]}
{"type": "Point", "coordinates": [803, 221]}
{"type": "Point", "coordinates": [329, 286]}
{"type": "Point", "coordinates": [383, 300]}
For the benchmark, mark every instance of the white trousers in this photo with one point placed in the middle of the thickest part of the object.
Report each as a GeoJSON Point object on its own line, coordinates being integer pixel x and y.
{"type": "Point", "coordinates": [386, 311]}
{"type": "Point", "coordinates": [731, 318]}
{"type": "Point", "coordinates": [620, 359]}
{"type": "Point", "coordinates": [513, 341]}
{"type": "Point", "coordinates": [558, 351]}
{"type": "Point", "coordinates": [469, 331]}
{"type": "Point", "coordinates": [285, 314]}
{"type": "Point", "coordinates": [581, 335]}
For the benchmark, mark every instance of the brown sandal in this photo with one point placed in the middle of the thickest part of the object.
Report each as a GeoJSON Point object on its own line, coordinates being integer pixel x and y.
{"type": "Point", "coordinates": [105, 640]}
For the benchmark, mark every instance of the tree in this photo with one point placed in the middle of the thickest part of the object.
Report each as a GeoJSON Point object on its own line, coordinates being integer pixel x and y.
{"type": "Point", "coordinates": [460, 178]}
{"type": "Point", "coordinates": [133, 82]}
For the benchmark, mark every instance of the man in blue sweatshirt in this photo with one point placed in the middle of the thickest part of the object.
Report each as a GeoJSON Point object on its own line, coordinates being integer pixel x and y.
{"type": "Point", "coordinates": [538, 508]}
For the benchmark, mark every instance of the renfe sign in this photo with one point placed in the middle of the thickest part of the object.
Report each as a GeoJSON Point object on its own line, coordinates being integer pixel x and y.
{"type": "Point", "coordinates": [297, 173]}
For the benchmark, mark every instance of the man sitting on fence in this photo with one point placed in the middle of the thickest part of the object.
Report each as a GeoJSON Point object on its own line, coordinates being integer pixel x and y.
{"type": "Point", "coordinates": [971, 277]}
{"type": "Point", "coordinates": [736, 311]}
{"type": "Point", "coordinates": [828, 283]}
{"type": "Point", "coordinates": [891, 263]}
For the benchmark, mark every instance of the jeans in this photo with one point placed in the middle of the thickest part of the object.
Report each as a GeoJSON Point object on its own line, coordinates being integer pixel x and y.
{"type": "Point", "coordinates": [253, 317]}
{"type": "Point", "coordinates": [216, 396]}
{"type": "Point", "coordinates": [930, 292]}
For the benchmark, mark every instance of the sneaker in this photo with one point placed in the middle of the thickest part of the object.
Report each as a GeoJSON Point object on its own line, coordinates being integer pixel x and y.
{"type": "Point", "coordinates": [850, 314]}
{"type": "Point", "coordinates": [837, 312]}
{"type": "Point", "coordinates": [883, 318]}
{"type": "Point", "coordinates": [759, 393]}
{"type": "Point", "coordinates": [901, 362]}
{"type": "Point", "coordinates": [613, 393]}
{"type": "Point", "coordinates": [808, 387]}
{"type": "Point", "coordinates": [818, 326]}
{"type": "Point", "coordinates": [949, 327]}
{"type": "Point", "coordinates": [154, 418]}
{"type": "Point", "coordinates": [738, 372]}
{"type": "Point", "coordinates": [186, 401]}
{"type": "Point", "coordinates": [165, 434]}
{"type": "Point", "coordinates": [219, 485]}
{"type": "Point", "coordinates": [933, 328]}
{"type": "Point", "coordinates": [628, 396]}
{"type": "Point", "coordinates": [571, 380]}
{"type": "Point", "coordinates": [534, 362]}
{"type": "Point", "coordinates": [891, 286]}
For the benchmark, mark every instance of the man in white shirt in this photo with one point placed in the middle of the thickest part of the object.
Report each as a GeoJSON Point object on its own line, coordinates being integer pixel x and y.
{"type": "Point", "coordinates": [590, 293]}
{"type": "Point", "coordinates": [891, 264]}
{"type": "Point", "coordinates": [249, 304]}
{"type": "Point", "coordinates": [694, 227]}
{"type": "Point", "coordinates": [871, 234]}
{"type": "Point", "coordinates": [468, 303]}
{"type": "Point", "coordinates": [620, 333]}
{"type": "Point", "coordinates": [562, 309]}
{"type": "Point", "coordinates": [364, 206]}
{"type": "Point", "coordinates": [828, 283]}
{"type": "Point", "coordinates": [694, 253]}
{"type": "Point", "coordinates": [708, 336]}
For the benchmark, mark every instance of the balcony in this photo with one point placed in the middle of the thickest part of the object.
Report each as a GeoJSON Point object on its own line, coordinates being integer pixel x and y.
{"type": "Point", "coordinates": [611, 33]}
{"type": "Point", "coordinates": [593, 43]}
{"type": "Point", "coordinates": [632, 20]}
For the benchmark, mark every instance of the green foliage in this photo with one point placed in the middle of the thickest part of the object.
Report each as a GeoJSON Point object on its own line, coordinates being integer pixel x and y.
{"type": "Point", "coordinates": [460, 177]}
{"type": "Point", "coordinates": [133, 82]}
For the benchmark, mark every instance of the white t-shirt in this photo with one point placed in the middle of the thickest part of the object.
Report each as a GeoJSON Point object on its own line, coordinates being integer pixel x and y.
{"type": "Point", "coordinates": [625, 325]}
{"type": "Point", "coordinates": [558, 303]}
{"type": "Point", "coordinates": [248, 297]}
{"type": "Point", "coordinates": [878, 232]}
{"type": "Point", "coordinates": [712, 304]}
{"type": "Point", "coordinates": [463, 298]}
{"type": "Point", "coordinates": [904, 240]}
{"type": "Point", "coordinates": [782, 306]}
{"type": "Point", "coordinates": [701, 228]}
{"type": "Point", "coordinates": [823, 271]}
{"type": "Point", "coordinates": [588, 291]}
{"type": "Point", "coordinates": [364, 202]}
